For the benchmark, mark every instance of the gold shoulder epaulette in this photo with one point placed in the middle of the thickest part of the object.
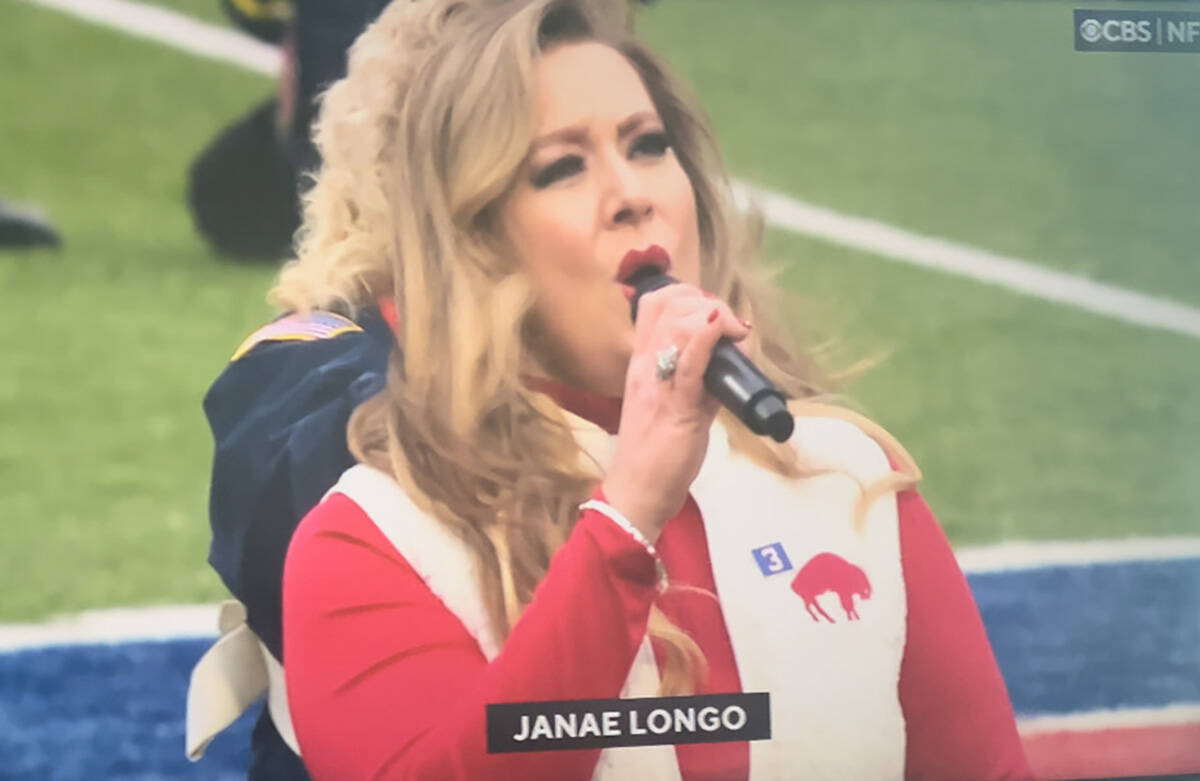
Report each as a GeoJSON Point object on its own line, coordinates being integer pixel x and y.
{"type": "Point", "coordinates": [298, 327]}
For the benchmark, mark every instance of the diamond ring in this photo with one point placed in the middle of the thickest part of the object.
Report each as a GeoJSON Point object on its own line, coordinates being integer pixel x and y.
{"type": "Point", "coordinates": [668, 359]}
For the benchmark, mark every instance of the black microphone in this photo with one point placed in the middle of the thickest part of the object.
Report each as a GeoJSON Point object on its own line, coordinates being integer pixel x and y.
{"type": "Point", "coordinates": [731, 377]}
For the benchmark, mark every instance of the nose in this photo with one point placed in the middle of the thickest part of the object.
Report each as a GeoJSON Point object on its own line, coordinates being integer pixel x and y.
{"type": "Point", "coordinates": [627, 201]}
{"type": "Point", "coordinates": [634, 212]}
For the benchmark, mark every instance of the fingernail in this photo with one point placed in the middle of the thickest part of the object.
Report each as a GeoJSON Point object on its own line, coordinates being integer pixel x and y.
{"type": "Point", "coordinates": [746, 323]}
{"type": "Point", "coordinates": [708, 294]}
{"type": "Point", "coordinates": [713, 315]}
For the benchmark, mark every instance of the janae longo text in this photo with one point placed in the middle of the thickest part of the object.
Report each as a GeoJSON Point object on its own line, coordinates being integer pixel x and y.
{"type": "Point", "coordinates": [572, 724]}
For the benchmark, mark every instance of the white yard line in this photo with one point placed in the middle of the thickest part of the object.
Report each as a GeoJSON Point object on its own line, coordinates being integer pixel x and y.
{"type": "Point", "coordinates": [174, 29]}
{"type": "Point", "coordinates": [113, 625]}
{"type": "Point", "coordinates": [1019, 555]}
{"type": "Point", "coordinates": [1123, 718]}
{"type": "Point", "coordinates": [1020, 276]}
{"type": "Point", "coordinates": [780, 210]}
{"type": "Point", "coordinates": [130, 624]}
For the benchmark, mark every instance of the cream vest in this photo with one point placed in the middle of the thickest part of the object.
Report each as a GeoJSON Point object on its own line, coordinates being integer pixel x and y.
{"type": "Point", "coordinates": [822, 634]}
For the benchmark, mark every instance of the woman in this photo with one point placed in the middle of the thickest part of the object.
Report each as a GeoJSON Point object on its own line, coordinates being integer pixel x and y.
{"type": "Point", "coordinates": [492, 173]}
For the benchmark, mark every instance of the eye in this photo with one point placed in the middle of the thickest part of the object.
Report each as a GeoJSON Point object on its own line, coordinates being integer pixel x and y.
{"type": "Point", "coordinates": [559, 169]}
{"type": "Point", "coordinates": [654, 144]}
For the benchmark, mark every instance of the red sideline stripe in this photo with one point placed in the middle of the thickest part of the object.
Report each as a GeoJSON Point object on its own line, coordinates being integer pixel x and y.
{"type": "Point", "coordinates": [1126, 751]}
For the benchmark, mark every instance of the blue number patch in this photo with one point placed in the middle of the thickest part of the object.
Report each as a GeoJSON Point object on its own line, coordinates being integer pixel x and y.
{"type": "Point", "coordinates": [771, 559]}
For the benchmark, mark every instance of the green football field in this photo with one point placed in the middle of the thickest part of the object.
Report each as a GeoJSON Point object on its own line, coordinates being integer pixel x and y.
{"type": "Point", "coordinates": [974, 122]}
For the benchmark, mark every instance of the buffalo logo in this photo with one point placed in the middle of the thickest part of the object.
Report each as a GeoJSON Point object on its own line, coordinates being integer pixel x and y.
{"type": "Point", "coordinates": [830, 572]}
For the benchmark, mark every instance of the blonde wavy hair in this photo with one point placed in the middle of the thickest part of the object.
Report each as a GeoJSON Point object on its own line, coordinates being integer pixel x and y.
{"type": "Point", "coordinates": [420, 142]}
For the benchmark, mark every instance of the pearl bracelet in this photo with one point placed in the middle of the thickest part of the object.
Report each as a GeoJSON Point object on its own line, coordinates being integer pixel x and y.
{"type": "Point", "coordinates": [614, 515]}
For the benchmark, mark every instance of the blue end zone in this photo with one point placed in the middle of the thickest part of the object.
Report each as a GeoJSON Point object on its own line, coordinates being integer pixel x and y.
{"type": "Point", "coordinates": [1079, 638]}
{"type": "Point", "coordinates": [108, 712]}
{"type": "Point", "coordinates": [1068, 639]}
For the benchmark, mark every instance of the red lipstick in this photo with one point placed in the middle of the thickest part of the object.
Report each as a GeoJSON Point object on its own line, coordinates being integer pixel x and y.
{"type": "Point", "coordinates": [654, 255]}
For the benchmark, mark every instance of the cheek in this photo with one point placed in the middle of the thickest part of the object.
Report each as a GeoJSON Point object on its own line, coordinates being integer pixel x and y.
{"type": "Point", "coordinates": [685, 221]}
{"type": "Point", "coordinates": [686, 196]}
{"type": "Point", "coordinates": [553, 239]}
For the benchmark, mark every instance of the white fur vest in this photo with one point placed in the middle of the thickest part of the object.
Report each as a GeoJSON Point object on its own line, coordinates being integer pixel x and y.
{"type": "Point", "coordinates": [815, 609]}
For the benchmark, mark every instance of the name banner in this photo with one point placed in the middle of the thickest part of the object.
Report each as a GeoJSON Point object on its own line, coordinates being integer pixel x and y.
{"type": "Point", "coordinates": [642, 721]}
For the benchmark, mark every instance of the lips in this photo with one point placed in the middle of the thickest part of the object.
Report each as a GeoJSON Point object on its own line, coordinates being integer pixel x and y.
{"type": "Point", "coordinates": [653, 255]}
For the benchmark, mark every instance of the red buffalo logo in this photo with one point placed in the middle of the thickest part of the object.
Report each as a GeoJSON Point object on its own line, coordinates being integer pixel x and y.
{"type": "Point", "coordinates": [829, 572]}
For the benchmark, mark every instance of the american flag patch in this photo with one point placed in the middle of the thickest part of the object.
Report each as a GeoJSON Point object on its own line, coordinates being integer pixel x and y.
{"type": "Point", "coordinates": [298, 328]}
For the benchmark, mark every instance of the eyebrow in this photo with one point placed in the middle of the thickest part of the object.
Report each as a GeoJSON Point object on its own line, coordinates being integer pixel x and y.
{"type": "Point", "coordinates": [578, 133]}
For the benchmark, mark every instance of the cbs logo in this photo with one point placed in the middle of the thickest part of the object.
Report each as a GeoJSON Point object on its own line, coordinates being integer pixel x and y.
{"type": "Point", "coordinates": [1116, 31]}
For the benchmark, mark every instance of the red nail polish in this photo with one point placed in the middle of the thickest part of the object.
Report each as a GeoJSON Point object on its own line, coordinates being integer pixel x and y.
{"type": "Point", "coordinates": [713, 315]}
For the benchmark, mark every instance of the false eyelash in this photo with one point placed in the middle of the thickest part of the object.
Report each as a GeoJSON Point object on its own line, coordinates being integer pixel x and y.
{"type": "Point", "coordinates": [657, 141]}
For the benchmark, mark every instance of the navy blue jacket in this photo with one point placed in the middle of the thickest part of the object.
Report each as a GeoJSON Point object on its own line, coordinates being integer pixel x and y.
{"type": "Point", "coordinates": [278, 415]}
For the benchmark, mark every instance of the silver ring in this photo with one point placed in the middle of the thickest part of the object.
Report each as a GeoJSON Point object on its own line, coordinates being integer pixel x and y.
{"type": "Point", "coordinates": [668, 359]}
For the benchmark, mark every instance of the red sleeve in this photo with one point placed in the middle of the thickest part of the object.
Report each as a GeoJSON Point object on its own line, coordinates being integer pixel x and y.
{"type": "Point", "coordinates": [959, 719]}
{"type": "Point", "coordinates": [384, 682]}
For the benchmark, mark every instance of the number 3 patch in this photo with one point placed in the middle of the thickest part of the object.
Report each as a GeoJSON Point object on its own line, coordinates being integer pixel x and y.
{"type": "Point", "coordinates": [771, 559]}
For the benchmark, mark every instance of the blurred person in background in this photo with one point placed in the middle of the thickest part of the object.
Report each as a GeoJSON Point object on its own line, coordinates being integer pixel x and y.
{"type": "Point", "coordinates": [23, 227]}
{"type": "Point", "coordinates": [243, 188]}
{"type": "Point", "coordinates": [455, 327]}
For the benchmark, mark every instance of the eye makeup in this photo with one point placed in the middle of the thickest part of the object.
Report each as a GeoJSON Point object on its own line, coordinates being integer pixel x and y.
{"type": "Point", "coordinates": [653, 144]}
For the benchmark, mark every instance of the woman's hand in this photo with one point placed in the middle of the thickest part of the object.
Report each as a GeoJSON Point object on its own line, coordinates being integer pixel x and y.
{"type": "Point", "coordinates": [664, 427]}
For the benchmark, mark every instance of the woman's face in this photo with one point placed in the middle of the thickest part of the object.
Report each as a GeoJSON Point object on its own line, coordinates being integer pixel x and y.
{"type": "Point", "coordinates": [599, 181]}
